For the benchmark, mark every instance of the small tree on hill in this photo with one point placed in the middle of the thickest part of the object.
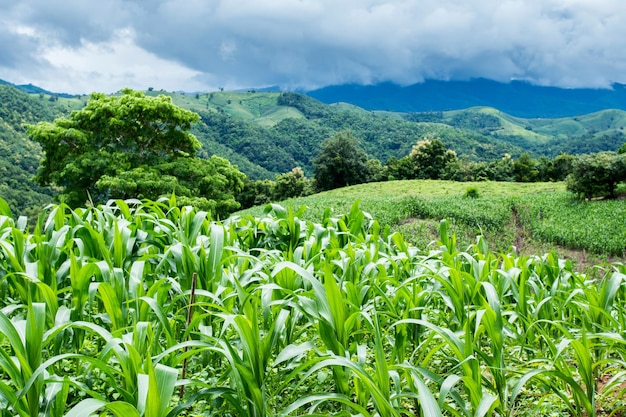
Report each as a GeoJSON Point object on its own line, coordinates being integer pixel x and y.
{"type": "Point", "coordinates": [430, 159]}
{"type": "Point", "coordinates": [291, 184]}
{"type": "Point", "coordinates": [340, 162]}
{"type": "Point", "coordinates": [525, 169]}
{"type": "Point", "coordinates": [597, 175]}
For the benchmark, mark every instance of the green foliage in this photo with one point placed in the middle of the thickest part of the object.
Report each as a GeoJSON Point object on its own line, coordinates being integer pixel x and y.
{"type": "Point", "coordinates": [472, 192]}
{"type": "Point", "coordinates": [595, 226]}
{"type": "Point", "coordinates": [268, 134]}
{"type": "Point", "coordinates": [112, 134]}
{"type": "Point", "coordinates": [481, 122]}
{"type": "Point", "coordinates": [524, 215]}
{"type": "Point", "coordinates": [422, 117]}
{"type": "Point", "coordinates": [597, 175]}
{"type": "Point", "coordinates": [430, 159]}
{"type": "Point", "coordinates": [133, 146]}
{"type": "Point", "coordinates": [310, 107]}
{"type": "Point", "coordinates": [291, 184]}
{"type": "Point", "coordinates": [113, 309]}
{"type": "Point", "coordinates": [340, 162]}
{"type": "Point", "coordinates": [255, 193]}
{"type": "Point", "coordinates": [276, 141]}
{"type": "Point", "coordinates": [209, 185]}
{"type": "Point", "coordinates": [525, 169]}
{"type": "Point", "coordinates": [19, 157]}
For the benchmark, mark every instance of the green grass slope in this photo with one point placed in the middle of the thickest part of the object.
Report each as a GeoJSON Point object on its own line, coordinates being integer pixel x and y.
{"type": "Point", "coordinates": [599, 131]}
{"type": "Point", "coordinates": [529, 217]}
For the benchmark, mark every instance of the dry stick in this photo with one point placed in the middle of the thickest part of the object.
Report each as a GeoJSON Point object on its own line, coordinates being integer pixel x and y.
{"type": "Point", "coordinates": [192, 299]}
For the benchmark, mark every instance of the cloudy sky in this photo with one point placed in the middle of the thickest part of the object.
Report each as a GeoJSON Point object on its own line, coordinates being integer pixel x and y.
{"type": "Point", "coordinates": [80, 46]}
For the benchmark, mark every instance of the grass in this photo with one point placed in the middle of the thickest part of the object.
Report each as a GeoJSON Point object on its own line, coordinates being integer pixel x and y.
{"type": "Point", "coordinates": [258, 108]}
{"type": "Point", "coordinates": [530, 217]}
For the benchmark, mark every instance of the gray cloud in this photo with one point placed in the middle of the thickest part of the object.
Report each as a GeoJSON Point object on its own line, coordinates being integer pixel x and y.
{"type": "Point", "coordinates": [310, 43]}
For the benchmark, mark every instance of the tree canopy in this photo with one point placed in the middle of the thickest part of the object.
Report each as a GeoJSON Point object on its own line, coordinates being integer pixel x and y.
{"type": "Point", "coordinates": [430, 158]}
{"type": "Point", "coordinates": [131, 145]}
{"type": "Point", "coordinates": [340, 162]}
{"type": "Point", "coordinates": [597, 175]}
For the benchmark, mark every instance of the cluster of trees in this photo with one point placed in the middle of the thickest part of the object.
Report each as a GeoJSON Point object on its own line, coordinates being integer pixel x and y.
{"type": "Point", "coordinates": [341, 161]}
{"type": "Point", "coordinates": [597, 175]}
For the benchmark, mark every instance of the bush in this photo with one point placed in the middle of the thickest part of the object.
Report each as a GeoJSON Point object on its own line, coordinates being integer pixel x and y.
{"type": "Point", "coordinates": [597, 175]}
{"type": "Point", "coordinates": [472, 192]}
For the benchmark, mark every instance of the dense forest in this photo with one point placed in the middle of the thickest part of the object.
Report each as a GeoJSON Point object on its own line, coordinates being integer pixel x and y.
{"type": "Point", "coordinates": [269, 134]}
{"type": "Point", "coordinates": [19, 157]}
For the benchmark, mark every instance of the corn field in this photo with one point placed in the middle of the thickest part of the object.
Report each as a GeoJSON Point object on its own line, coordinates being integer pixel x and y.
{"type": "Point", "coordinates": [145, 309]}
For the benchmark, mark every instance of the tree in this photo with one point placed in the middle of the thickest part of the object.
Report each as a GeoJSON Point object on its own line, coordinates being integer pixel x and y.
{"type": "Point", "coordinates": [525, 169]}
{"type": "Point", "coordinates": [255, 193]}
{"type": "Point", "coordinates": [340, 162]}
{"type": "Point", "coordinates": [291, 184]}
{"type": "Point", "coordinates": [209, 185]}
{"type": "Point", "coordinates": [131, 145]}
{"type": "Point", "coordinates": [430, 159]}
{"type": "Point", "coordinates": [400, 169]}
{"type": "Point", "coordinates": [375, 170]}
{"type": "Point", "coordinates": [597, 175]}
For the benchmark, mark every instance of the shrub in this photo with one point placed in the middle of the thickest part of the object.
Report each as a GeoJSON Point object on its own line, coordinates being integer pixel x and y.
{"type": "Point", "coordinates": [472, 192]}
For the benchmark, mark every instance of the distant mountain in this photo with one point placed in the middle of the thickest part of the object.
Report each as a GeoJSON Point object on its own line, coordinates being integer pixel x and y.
{"type": "Point", "coordinates": [33, 89]}
{"type": "Point", "coordinates": [516, 98]}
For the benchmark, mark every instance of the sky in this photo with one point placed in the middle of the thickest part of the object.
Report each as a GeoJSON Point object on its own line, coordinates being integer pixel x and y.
{"type": "Point", "coordinates": [82, 46]}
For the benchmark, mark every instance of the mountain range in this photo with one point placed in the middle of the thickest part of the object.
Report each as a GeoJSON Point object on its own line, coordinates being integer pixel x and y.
{"type": "Point", "coordinates": [516, 98]}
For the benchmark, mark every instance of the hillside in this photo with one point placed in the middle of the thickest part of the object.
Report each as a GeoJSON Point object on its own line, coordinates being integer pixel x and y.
{"type": "Point", "coordinates": [517, 98]}
{"type": "Point", "coordinates": [19, 157]}
{"type": "Point", "coordinates": [529, 217]}
{"type": "Point", "coordinates": [599, 131]}
{"type": "Point", "coordinates": [268, 133]}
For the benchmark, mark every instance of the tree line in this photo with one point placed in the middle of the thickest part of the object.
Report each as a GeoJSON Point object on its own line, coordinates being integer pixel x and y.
{"type": "Point", "coordinates": [341, 162]}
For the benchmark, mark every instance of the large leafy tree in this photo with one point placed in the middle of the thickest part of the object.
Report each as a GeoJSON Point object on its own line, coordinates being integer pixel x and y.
{"type": "Point", "coordinates": [130, 145]}
{"type": "Point", "coordinates": [340, 162]}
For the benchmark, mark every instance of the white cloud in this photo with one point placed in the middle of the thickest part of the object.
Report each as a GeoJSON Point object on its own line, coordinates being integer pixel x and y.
{"type": "Point", "coordinates": [199, 44]}
{"type": "Point", "coordinates": [115, 64]}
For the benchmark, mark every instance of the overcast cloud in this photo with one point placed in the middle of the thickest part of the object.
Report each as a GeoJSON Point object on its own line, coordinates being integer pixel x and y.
{"type": "Point", "coordinates": [80, 46]}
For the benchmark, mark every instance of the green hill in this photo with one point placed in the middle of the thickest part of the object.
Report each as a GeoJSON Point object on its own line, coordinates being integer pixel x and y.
{"type": "Point", "coordinates": [268, 133]}
{"type": "Point", "coordinates": [19, 157]}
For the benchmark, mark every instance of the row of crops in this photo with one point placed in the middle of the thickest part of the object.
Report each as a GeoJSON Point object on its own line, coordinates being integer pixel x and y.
{"type": "Point", "coordinates": [596, 226]}
{"type": "Point", "coordinates": [145, 309]}
{"type": "Point", "coordinates": [542, 212]}
{"type": "Point", "coordinates": [556, 218]}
